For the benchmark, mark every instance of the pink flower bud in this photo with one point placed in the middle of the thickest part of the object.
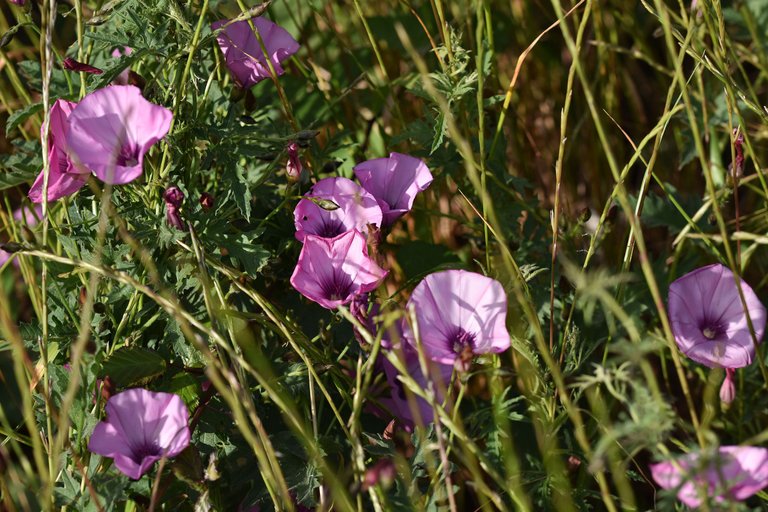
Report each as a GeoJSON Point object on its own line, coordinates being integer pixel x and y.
{"type": "Point", "coordinates": [728, 389]}
{"type": "Point", "coordinates": [73, 65]}
{"type": "Point", "coordinates": [293, 167]}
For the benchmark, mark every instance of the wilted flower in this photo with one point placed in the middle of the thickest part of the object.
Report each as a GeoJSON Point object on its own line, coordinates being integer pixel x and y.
{"type": "Point", "coordinates": [334, 206]}
{"type": "Point", "coordinates": [243, 52]}
{"type": "Point", "coordinates": [111, 130]}
{"type": "Point", "coordinates": [174, 198]}
{"type": "Point", "coordinates": [394, 182]}
{"type": "Point", "coordinates": [63, 177]}
{"type": "Point", "coordinates": [458, 313]}
{"type": "Point", "coordinates": [708, 319]}
{"type": "Point", "coordinates": [72, 65]}
{"type": "Point", "coordinates": [734, 473]}
{"type": "Point", "coordinates": [422, 414]}
{"type": "Point", "coordinates": [141, 428]}
{"type": "Point", "coordinates": [331, 271]}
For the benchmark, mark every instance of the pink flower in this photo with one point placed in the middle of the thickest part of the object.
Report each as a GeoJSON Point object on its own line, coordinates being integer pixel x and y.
{"type": "Point", "coordinates": [343, 206]}
{"type": "Point", "coordinates": [332, 271]}
{"type": "Point", "coordinates": [18, 2]}
{"type": "Point", "coordinates": [708, 319]}
{"type": "Point", "coordinates": [141, 428]}
{"type": "Point", "coordinates": [243, 52]}
{"type": "Point", "coordinates": [458, 312]}
{"type": "Point", "coordinates": [111, 130]}
{"type": "Point", "coordinates": [64, 178]}
{"type": "Point", "coordinates": [734, 473]}
{"type": "Point", "coordinates": [422, 413]}
{"type": "Point", "coordinates": [394, 182]}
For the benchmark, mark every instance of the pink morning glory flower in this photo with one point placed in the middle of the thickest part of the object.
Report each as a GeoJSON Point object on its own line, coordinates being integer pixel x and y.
{"type": "Point", "coordinates": [111, 130]}
{"type": "Point", "coordinates": [332, 271]}
{"type": "Point", "coordinates": [439, 374]}
{"type": "Point", "coordinates": [734, 473]}
{"type": "Point", "coordinates": [458, 312]}
{"type": "Point", "coordinates": [64, 178]}
{"type": "Point", "coordinates": [708, 319]}
{"type": "Point", "coordinates": [244, 55]}
{"type": "Point", "coordinates": [141, 428]}
{"type": "Point", "coordinates": [334, 206]}
{"type": "Point", "coordinates": [394, 182]}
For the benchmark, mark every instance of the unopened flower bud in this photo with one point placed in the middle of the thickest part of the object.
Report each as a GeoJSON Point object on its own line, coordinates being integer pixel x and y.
{"type": "Point", "coordinates": [293, 167]}
{"type": "Point", "coordinates": [382, 473]}
{"type": "Point", "coordinates": [728, 389]}
{"type": "Point", "coordinates": [207, 201]}
{"type": "Point", "coordinates": [72, 65]}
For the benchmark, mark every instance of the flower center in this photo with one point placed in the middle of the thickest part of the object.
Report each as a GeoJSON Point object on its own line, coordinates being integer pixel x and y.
{"type": "Point", "coordinates": [139, 453]}
{"type": "Point", "coordinates": [128, 156]}
{"type": "Point", "coordinates": [339, 287]}
{"type": "Point", "coordinates": [711, 330]}
{"type": "Point", "coordinates": [461, 341]}
{"type": "Point", "coordinates": [331, 228]}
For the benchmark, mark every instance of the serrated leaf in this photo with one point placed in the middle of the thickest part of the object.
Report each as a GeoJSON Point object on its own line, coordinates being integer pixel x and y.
{"type": "Point", "coordinates": [15, 178]}
{"type": "Point", "coordinates": [188, 466]}
{"type": "Point", "coordinates": [21, 115]}
{"type": "Point", "coordinates": [184, 385]}
{"type": "Point", "coordinates": [242, 193]}
{"type": "Point", "coordinates": [132, 365]}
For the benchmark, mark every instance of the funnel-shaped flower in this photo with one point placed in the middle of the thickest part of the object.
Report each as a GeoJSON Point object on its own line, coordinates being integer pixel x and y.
{"type": "Point", "coordinates": [141, 428]}
{"type": "Point", "coordinates": [733, 473]}
{"type": "Point", "coordinates": [417, 410]}
{"type": "Point", "coordinates": [334, 206]}
{"type": "Point", "coordinates": [243, 52]}
{"type": "Point", "coordinates": [111, 130]}
{"type": "Point", "coordinates": [458, 312]}
{"type": "Point", "coordinates": [331, 271]}
{"type": "Point", "coordinates": [394, 182]}
{"type": "Point", "coordinates": [63, 178]}
{"type": "Point", "coordinates": [708, 318]}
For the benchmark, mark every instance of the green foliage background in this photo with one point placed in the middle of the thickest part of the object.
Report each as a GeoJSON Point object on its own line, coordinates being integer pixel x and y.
{"type": "Point", "coordinates": [581, 153]}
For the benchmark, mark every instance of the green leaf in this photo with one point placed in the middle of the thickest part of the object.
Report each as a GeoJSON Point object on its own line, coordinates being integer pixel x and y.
{"type": "Point", "coordinates": [22, 115]}
{"type": "Point", "coordinates": [132, 365]}
{"type": "Point", "coordinates": [240, 191]}
{"type": "Point", "coordinates": [185, 385]}
{"type": "Point", "coordinates": [15, 178]}
{"type": "Point", "coordinates": [253, 257]}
